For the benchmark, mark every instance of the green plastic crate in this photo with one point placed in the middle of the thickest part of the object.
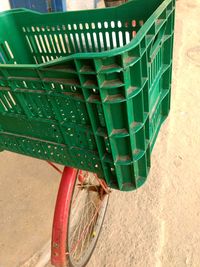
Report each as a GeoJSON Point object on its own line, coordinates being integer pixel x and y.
{"type": "Point", "coordinates": [87, 89]}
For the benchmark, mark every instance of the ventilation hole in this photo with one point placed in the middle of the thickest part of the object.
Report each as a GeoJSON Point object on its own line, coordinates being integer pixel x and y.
{"type": "Point", "coordinates": [101, 40]}
{"type": "Point", "coordinates": [120, 38]}
{"type": "Point", "coordinates": [35, 59]}
{"type": "Point", "coordinates": [47, 43]}
{"type": "Point", "coordinates": [95, 91]}
{"type": "Point", "coordinates": [114, 39]}
{"type": "Point", "coordinates": [52, 42]}
{"type": "Point", "coordinates": [67, 43]}
{"type": "Point", "coordinates": [9, 50]}
{"type": "Point", "coordinates": [72, 40]}
{"type": "Point", "coordinates": [29, 43]}
{"type": "Point", "coordinates": [2, 58]}
{"type": "Point", "coordinates": [38, 44]}
{"type": "Point", "coordinates": [7, 101]}
{"type": "Point", "coordinates": [43, 46]}
{"type": "Point", "coordinates": [99, 25]}
{"type": "Point", "coordinates": [5, 52]}
{"type": "Point", "coordinates": [133, 33]}
{"type": "Point", "coordinates": [83, 42]}
{"type": "Point", "coordinates": [62, 43]}
{"type": "Point", "coordinates": [127, 37]}
{"type": "Point", "coordinates": [89, 41]}
{"type": "Point", "coordinates": [141, 22]}
{"type": "Point", "coordinates": [119, 24]}
{"type": "Point", "coordinates": [1, 101]}
{"type": "Point", "coordinates": [95, 41]}
{"type": "Point", "coordinates": [133, 23]}
{"type": "Point", "coordinates": [78, 42]}
{"type": "Point", "coordinates": [126, 24]}
{"type": "Point", "coordinates": [43, 59]}
{"type": "Point", "coordinates": [106, 24]}
{"type": "Point", "coordinates": [25, 85]}
{"type": "Point", "coordinates": [112, 24]}
{"type": "Point", "coordinates": [108, 40]}
{"type": "Point", "coordinates": [57, 43]}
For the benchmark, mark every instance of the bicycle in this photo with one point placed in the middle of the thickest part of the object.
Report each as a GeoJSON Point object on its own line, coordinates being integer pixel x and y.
{"type": "Point", "coordinates": [88, 90]}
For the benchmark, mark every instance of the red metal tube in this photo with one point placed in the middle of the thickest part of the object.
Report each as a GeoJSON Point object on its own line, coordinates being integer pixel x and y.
{"type": "Point", "coordinates": [60, 222]}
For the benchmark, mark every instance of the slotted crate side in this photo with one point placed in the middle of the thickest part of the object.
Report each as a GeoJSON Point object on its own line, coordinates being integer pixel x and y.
{"type": "Point", "coordinates": [160, 87]}
{"type": "Point", "coordinates": [50, 111]}
{"type": "Point", "coordinates": [142, 90]}
{"type": "Point", "coordinates": [12, 52]}
{"type": "Point", "coordinates": [103, 110]}
{"type": "Point", "coordinates": [50, 151]}
{"type": "Point", "coordinates": [161, 108]}
{"type": "Point", "coordinates": [50, 37]}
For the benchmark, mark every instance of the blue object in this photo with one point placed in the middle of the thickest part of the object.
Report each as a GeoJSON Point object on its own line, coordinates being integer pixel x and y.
{"type": "Point", "coordinates": [41, 6]}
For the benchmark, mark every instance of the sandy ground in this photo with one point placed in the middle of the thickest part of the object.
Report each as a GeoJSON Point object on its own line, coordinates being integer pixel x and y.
{"type": "Point", "coordinates": [155, 226]}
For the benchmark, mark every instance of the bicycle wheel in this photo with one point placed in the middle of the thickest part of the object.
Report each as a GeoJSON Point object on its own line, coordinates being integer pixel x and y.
{"type": "Point", "coordinates": [80, 209]}
{"type": "Point", "coordinates": [87, 212]}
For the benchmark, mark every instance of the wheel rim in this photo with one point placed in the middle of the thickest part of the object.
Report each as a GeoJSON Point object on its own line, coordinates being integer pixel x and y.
{"type": "Point", "coordinates": [88, 207]}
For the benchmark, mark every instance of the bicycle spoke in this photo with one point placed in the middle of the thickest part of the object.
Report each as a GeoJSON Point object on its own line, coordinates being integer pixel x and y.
{"type": "Point", "coordinates": [81, 225]}
{"type": "Point", "coordinates": [85, 229]}
{"type": "Point", "coordinates": [84, 221]}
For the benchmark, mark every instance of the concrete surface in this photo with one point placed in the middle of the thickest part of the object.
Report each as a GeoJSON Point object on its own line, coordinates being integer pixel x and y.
{"type": "Point", "coordinates": [27, 198]}
{"type": "Point", "coordinates": [4, 5]}
{"type": "Point", "coordinates": [156, 226]}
